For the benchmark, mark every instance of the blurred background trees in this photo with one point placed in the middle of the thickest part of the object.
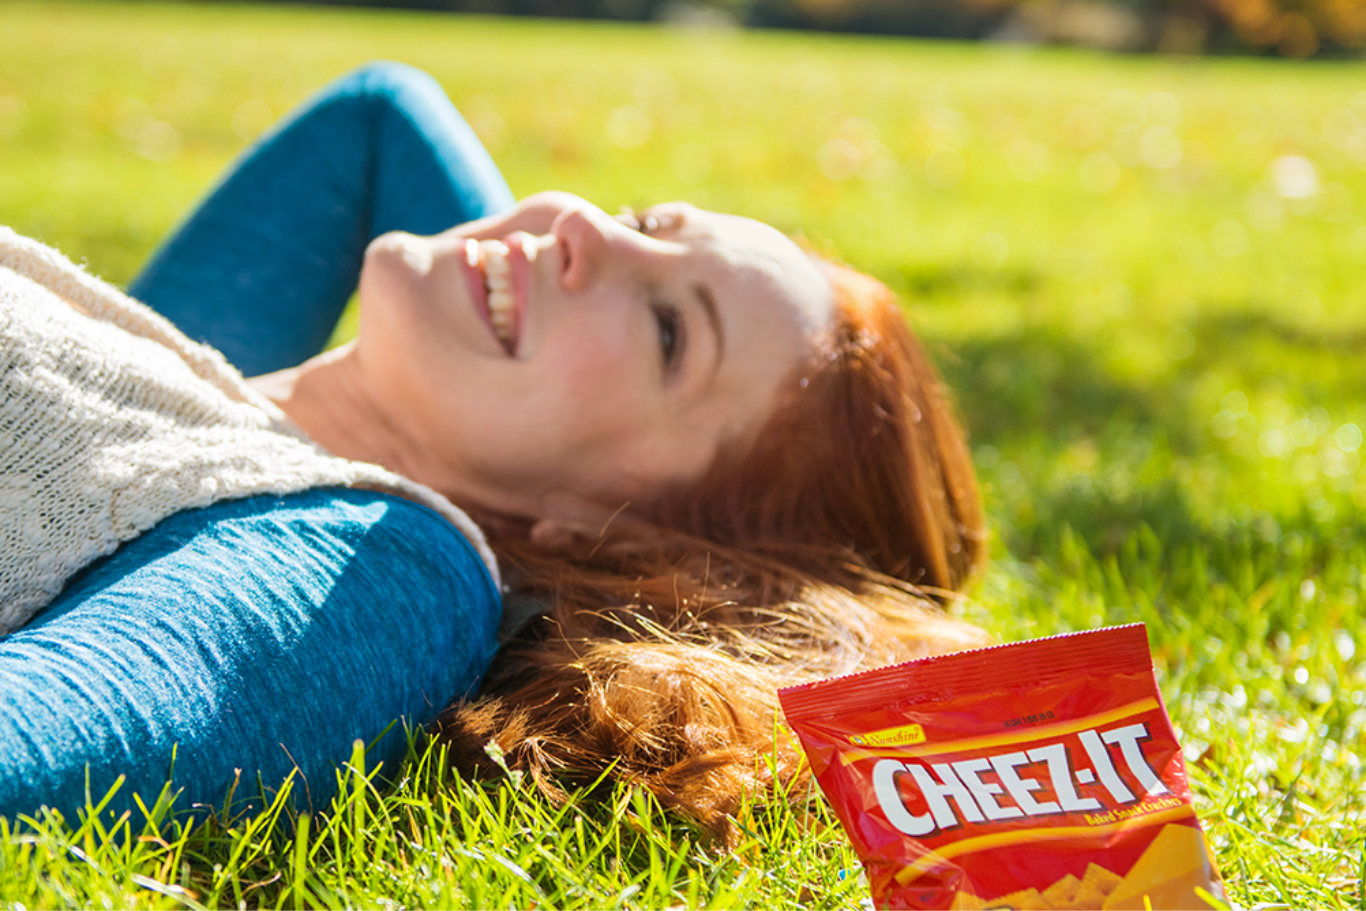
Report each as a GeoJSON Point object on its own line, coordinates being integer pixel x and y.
{"type": "Point", "coordinates": [1291, 28]}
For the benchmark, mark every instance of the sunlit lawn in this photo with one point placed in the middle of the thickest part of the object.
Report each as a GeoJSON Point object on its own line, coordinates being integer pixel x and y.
{"type": "Point", "coordinates": [1145, 279]}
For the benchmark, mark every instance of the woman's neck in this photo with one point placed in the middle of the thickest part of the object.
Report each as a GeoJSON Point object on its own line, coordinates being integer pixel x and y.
{"type": "Point", "coordinates": [328, 399]}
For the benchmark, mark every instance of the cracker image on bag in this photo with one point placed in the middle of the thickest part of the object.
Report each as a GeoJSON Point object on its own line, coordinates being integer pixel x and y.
{"type": "Point", "coordinates": [1041, 774]}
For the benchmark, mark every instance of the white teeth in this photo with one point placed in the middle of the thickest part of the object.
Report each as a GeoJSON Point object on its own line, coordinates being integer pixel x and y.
{"type": "Point", "coordinates": [498, 282]}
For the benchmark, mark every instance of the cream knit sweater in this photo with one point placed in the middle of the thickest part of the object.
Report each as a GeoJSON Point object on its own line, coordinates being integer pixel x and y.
{"type": "Point", "coordinates": [111, 420]}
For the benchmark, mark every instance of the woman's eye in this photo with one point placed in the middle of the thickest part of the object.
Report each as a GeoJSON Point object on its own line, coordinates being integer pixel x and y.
{"type": "Point", "coordinates": [643, 222]}
{"type": "Point", "coordinates": [662, 222]}
{"type": "Point", "coordinates": [670, 333]}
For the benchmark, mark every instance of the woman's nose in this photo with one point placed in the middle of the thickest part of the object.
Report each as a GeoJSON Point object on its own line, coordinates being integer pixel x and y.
{"type": "Point", "coordinates": [583, 245]}
{"type": "Point", "coordinates": [589, 239]}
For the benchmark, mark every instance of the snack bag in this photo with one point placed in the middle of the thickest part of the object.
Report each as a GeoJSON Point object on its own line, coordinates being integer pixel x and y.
{"type": "Point", "coordinates": [1041, 774]}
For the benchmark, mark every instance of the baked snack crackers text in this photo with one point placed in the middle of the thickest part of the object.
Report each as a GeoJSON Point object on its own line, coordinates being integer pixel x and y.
{"type": "Point", "coordinates": [1041, 774]}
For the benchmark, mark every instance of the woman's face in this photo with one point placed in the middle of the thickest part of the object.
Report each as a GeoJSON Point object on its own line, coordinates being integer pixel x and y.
{"type": "Point", "coordinates": [586, 363]}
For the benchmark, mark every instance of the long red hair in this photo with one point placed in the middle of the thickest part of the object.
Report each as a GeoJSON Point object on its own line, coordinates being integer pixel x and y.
{"type": "Point", "coordinates": [819, 550]}
{"type": "Point", "coordinates": [865, 455]}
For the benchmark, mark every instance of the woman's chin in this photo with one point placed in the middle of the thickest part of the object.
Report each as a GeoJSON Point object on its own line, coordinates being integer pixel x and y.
{"type": "Point", "coordinates": [391, 293]}
{"type": "Point", "coordinates": [394, 260]}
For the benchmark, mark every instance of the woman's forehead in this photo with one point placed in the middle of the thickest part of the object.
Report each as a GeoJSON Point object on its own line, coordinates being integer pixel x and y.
{"type": "Point", "coordinates": [762, 255]}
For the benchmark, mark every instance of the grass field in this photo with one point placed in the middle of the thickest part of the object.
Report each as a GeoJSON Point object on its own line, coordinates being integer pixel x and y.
{"type": "Point", "coordinates": [1145, 279]}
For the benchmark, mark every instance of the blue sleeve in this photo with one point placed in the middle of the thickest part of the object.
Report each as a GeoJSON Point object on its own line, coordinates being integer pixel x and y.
{"type": "Point", "coordinates": [261, 634]}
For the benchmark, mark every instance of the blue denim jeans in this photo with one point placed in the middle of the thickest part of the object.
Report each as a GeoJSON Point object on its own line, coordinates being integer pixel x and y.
{"type": "Point", "coordinates": [261, 636]}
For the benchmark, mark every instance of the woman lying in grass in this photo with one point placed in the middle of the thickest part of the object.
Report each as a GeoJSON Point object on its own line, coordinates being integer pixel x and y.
{"type": "Point", "coordinates": [709, 465]}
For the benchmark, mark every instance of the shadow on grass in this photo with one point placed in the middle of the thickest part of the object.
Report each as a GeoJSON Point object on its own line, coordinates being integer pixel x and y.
{"type": "Point", "coordinates": [1042, 383]}
{"type": "Point", "coordinates": [1091, 452]}
{"type": "Point", "coordinates": [1317, 365]}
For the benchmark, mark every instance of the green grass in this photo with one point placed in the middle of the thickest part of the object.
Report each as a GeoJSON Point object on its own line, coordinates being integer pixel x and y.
{"type": "Point", "coordinates": [1155, 343]}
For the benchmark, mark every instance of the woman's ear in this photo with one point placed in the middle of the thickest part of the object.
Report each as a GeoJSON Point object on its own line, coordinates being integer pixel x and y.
{"type": "Point", "coordinates": [552, 533]}
{"type": "Point", "coordinates": [565, 516]}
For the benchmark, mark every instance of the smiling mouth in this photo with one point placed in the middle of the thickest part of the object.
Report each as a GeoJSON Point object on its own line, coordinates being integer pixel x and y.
{"type": "Point", "coordinates": [490, 259]}
{"type": "Point", "coordinates": [498, 282]}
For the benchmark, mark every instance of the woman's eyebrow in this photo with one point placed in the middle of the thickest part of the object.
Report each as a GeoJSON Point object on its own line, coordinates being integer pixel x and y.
{"type": "Point", "coordinates": [704, 296]}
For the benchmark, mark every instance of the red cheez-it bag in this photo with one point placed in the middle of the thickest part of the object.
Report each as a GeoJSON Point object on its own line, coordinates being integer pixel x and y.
{"type": "Point", "coordinates": [1042, 774]}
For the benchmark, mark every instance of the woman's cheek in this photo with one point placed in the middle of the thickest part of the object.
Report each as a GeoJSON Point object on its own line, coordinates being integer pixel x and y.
{"type": "Point", "coordinates": [604, 389]}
